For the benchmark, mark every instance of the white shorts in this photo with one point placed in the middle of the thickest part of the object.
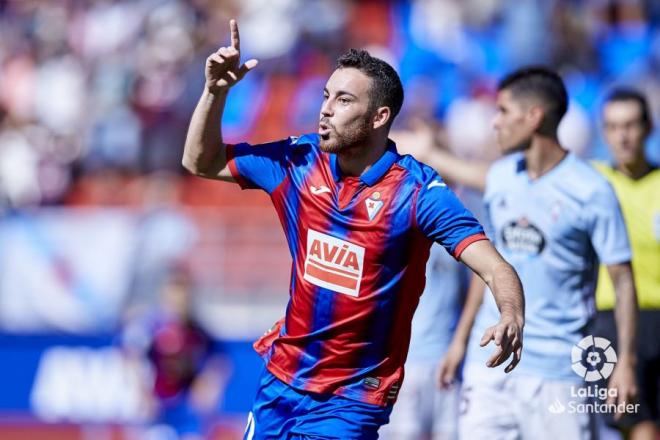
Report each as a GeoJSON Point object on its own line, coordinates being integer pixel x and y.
{"type": "Point", "coordinates": [422, 410]}
{"type": "Point", "coordinates": [496, 405]}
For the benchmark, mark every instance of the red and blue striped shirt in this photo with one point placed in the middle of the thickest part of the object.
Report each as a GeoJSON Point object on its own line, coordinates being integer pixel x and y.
{"type": "Point", "coordinates": [359, 247]}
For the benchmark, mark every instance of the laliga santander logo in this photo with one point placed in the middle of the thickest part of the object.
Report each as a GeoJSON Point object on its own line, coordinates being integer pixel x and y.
{"type": "Point", "coordinates": [593, 358]}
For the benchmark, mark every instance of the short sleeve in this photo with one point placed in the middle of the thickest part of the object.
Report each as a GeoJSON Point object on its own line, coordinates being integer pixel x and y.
{"type": "Point", "coordinates": [441, 216]}
{"type": "Point", "coordinates": [259, 166]}
{"type": "Point", "coordinates": [609, 236]}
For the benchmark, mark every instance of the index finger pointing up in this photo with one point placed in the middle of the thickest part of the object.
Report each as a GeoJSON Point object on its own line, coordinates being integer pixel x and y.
{"type": "Point", "coordinates": [235, 40]}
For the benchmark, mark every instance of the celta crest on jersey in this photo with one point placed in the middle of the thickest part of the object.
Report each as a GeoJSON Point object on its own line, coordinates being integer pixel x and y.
{"type": "Point", "coordinates": [373, 203]}
{"type": "Point", "coordinates": [333, 263]}
{"type": "Point", "coordinates": [522, 236]}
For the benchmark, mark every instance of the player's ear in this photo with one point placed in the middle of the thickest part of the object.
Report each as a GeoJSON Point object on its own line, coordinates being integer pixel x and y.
{"type": "Point", "coordinates": [648, 128]}
{"type": "Point", "coordinates": [536, 116]}
{"type": "Point", "coordinates": [381, 117]}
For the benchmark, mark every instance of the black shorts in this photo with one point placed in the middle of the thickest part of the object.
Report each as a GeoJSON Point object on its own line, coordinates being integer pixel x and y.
{"type": "Point", "coordinates": [648, 363]}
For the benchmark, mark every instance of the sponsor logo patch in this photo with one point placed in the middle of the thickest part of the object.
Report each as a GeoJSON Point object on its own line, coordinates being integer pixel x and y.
{"type": "Point", "coordinates": [333, 263]}
{"type": "Point", "coordinates": [373, 383]}
{"type": "Point", "coordinates": [522, 236]}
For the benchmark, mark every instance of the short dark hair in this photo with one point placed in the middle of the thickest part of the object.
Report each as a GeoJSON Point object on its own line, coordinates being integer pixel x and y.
{"type": "Point", "coordinates": [629, 94]}
{"type": "Point", "coordinates": [386, 89]}
{"type": "Point", "coordinates": [542, 83]}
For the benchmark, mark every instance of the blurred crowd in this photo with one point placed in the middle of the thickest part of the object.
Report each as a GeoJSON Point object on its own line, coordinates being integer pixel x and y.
{"type": "Point", "coordinates": [96, 93]}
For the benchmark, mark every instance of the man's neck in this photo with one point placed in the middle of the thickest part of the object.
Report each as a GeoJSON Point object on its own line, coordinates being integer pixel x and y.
{"type": "Point", "coordinates": [636, 169]}
{"type": "Point", "coordinates": [543, 155]}
{"type": "Point", "coordinates": [357, 161]}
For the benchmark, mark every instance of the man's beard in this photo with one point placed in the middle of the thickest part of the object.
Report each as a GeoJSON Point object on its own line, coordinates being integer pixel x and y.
{"type": "Point", "coordinates": [352, 137]}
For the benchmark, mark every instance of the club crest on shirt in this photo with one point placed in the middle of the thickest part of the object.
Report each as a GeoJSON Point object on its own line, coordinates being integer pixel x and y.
{"type": "Point", "coordinates": [373, 203]}
{"type": "Point", "coordinates": [333, 263]}
{"type": "Point", "coordinates": [523, 237]}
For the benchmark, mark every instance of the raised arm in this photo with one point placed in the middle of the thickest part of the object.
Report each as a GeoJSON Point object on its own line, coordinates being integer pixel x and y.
{"type": "Point", "coordinates": [506, 287]}
{"type": "Point", "coordinates": [204, 152]}
{"type": "Point", "coordinates": [623, 376]}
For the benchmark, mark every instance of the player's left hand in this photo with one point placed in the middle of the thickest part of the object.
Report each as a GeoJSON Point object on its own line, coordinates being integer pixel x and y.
{"type": "Point", "coordinates": [449, 365]}
{"type": "Point", "coordinates": [507, 335]}
{"type": "Point", "coordinates": [623, 380]}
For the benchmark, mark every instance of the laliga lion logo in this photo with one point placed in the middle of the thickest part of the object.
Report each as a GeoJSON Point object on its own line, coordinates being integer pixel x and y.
{"type": "Point", "coordinates": [593, 358]}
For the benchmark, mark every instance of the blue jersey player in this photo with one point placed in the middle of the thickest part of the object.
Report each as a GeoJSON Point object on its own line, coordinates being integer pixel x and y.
{"type": "Point", "coordinates": [359, 220]}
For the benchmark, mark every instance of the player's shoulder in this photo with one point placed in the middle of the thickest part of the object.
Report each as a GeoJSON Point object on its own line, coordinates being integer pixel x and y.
{"type": "Point", "coordinates": [302, 147]}
{"type": "Point", "coordinates": [602, 167]}
{"type": "Point", "coordinates": [304, 142]}
{"type": "Point", "coordinates": [308, 139]}
{"type": "Point", "coordinates": [586, 174]}
{"type": "Point", "coordinates": [608, 171]}
{"type": "Point", "coordinates": [584, 182]}
{"type": "Point", "coordinates": [418, 173]}
{"type": "Point", "coordinates": [654, 176]}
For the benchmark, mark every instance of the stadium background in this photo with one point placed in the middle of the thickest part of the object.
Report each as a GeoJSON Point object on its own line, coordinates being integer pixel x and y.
{"type": "Point", "coordinates": [95, 97]}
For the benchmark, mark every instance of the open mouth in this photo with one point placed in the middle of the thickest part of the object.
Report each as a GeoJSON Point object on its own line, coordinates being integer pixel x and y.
{"type": "Point", "coordinates": [324, 130]}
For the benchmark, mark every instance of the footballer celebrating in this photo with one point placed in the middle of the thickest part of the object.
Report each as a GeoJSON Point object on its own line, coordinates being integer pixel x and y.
{"type": "Point", "coordinates": [359, 220]}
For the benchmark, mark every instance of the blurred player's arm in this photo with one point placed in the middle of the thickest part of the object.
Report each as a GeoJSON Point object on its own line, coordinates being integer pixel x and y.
{"type": "Point", "coordinates": [609, 237]}
{"type": "Point", "coordinates": [451, 361]}
{"type": "Point", "coordinates": [460, 171]}
{"type": "Point", "coordinates": [209, 384]}
{"type": "Point", "coordinates": [623, 376]}
{"type": "Point", "coordinates": [484, 260]}
{"type": "Point", "coordinates": [420, 142]}
{"type": "Point", "coordinates": [204, 153]}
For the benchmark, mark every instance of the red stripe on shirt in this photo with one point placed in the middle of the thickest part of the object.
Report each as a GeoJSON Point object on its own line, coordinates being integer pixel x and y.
{"type": "Point", "coordinates": [467, 241]}
{"type": "Point", "coordinates": [229, 149]}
